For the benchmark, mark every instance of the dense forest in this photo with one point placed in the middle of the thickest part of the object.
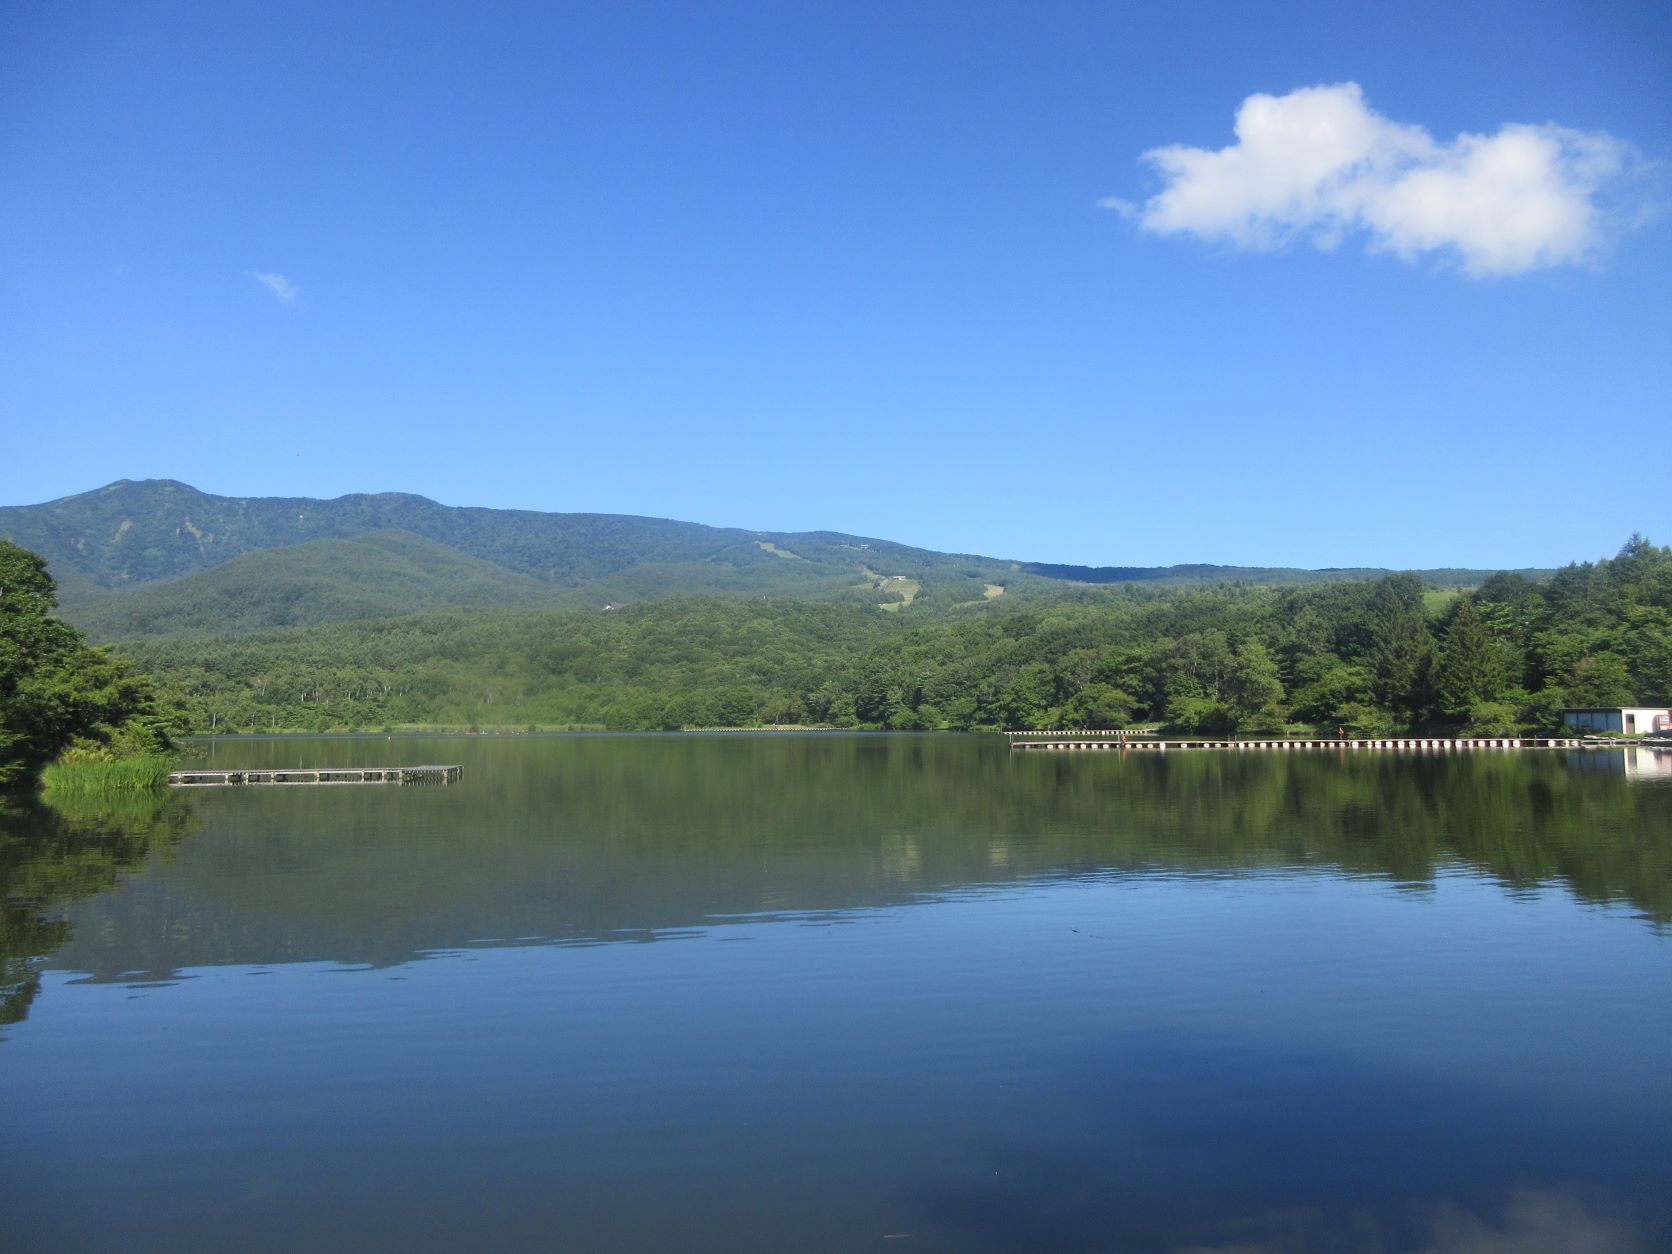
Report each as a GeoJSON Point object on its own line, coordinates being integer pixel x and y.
{"type": "Point", "coordinates": [57, 692]}
{"type": "Point", "coordinates": [1372, 656]}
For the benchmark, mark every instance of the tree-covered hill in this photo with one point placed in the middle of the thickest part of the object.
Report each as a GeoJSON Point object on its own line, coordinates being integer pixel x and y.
{"type": "Point", "coordinates": [1207, 573]}
{"type": "Point", "coordinates": [382, 574]}
{"type": "Point", "coordinates": [157, 557]}
{"type": "Point", "coordinates": [1373, 656]}
{"type": "Point", "coordinates": [133, 534]}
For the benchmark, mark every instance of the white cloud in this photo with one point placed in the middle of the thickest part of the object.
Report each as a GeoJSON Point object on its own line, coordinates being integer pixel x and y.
{"type": "Point", "coordinates": [277, 284]}
{"type": "Point", "coordinates": [1536, 1222]}
{"type": "Point", "coordinates": [1320, 165]}
{"type": "Point", "coordinates": [1532, 1221]}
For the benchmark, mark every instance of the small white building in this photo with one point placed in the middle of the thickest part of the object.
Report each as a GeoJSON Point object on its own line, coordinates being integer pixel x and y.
{"type": "Point", "coordinates": [1625, 720]}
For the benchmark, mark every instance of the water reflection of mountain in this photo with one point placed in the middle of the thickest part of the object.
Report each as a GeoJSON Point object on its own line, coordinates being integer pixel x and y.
{"type": "Point", "coordinates": [611, 839]}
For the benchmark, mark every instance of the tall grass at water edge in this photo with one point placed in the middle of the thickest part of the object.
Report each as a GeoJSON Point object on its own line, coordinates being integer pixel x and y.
{"type": "Point", "coordinates": [141, 773]}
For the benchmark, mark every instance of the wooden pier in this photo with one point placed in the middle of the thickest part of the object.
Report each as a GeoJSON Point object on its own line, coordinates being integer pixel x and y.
{"type": "Point", "coordinates": [322, 775]}
{"type": "Point", "coordinates": [1135, 742]}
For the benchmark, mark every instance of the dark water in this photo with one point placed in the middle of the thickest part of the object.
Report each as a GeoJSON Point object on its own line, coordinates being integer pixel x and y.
{"type": "Point", "coordinates": [846, 993]}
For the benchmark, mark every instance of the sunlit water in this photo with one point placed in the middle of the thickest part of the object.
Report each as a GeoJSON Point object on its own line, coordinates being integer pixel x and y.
{"type": "Point", "coordinates": [843, 993]}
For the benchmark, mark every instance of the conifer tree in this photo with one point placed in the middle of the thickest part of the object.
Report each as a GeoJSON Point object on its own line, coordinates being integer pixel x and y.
{"type": "Point", "coordinates": [1471, 668]}
{"type": "Point", "coordinates": [1402, 649]}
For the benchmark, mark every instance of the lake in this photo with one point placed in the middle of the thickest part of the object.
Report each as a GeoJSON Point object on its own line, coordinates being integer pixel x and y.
{"type": "Point", "coordinates": [805, 992]}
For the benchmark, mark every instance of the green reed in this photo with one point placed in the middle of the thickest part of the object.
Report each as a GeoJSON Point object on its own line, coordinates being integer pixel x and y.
{"type": "Point", "coordinates": [141, 773]}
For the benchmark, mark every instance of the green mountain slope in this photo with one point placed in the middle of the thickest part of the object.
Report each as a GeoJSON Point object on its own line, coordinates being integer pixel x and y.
{"type": "Point", "coordinates": [133, 534]}
{"type": "Point", "coordinates": [379, 575]}
{"type": "Point", "coordinates": [1205, 573]}
{"type": "Point", "coordinates": [153, 557]}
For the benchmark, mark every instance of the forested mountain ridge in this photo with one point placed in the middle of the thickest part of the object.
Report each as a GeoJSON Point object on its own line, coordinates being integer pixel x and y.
{"type": "Point", "coordinates": [1377, 656]}
{"type": "Point", "coordinates": [156, 557]}
{"type": "Point", "coordinates": [132, 533]}
{"type": "Point", "coordinates": [157, 534]}
{"type": "Point", "coordinates": [380, 574]}
{"type": "Point", "coordinates": [1207, 573]}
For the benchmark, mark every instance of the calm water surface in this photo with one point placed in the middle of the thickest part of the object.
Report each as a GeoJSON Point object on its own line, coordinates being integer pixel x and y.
{"type": "Point", "coordinates": [845, 993]}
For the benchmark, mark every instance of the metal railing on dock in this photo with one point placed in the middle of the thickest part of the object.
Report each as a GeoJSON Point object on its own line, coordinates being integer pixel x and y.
{"type": "Point", "coordinates": [1130, 733]}
{"type": "Point", "coordinates": [319, 776]}
{"type": "Point", "coordinates": [1144, 743]}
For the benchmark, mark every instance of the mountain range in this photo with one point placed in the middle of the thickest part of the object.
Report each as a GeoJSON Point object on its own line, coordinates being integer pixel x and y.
{"type": "Point", "coordinates": [156, 557]}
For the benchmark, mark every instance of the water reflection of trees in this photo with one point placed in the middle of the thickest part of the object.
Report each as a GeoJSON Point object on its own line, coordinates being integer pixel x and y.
{"type": "Point", "coordinates": [938, 814]}
{"type": "Point", "coordinates": [1526, 819]}
{"type": "Point", "coordinates": [590, 839]}
{"type": "Point", "coordinates": [52, 855]}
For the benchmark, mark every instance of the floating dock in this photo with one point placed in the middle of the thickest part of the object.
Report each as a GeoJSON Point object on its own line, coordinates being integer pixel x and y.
{"type": "Point", "coordinates": [1072, 741]}
{"type": "Point", "coordinates": [318, 776]}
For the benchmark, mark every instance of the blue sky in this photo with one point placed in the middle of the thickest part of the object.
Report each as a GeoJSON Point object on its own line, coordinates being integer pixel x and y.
{"type": "Point", "coordinates": [900, 269]}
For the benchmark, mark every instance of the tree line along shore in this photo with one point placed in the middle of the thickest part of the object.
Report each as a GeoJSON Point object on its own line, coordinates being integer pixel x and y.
{"type": "Point", "coordinates": [1375, 657]}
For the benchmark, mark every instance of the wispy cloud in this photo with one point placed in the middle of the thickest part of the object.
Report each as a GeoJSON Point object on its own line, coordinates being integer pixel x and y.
{"type": "Point", "coordinates": [1532, 1221]}
{"type": "Point", "coordinates": [277, 284]}
{"type": "Point", "coordinates": [1320, 165]}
